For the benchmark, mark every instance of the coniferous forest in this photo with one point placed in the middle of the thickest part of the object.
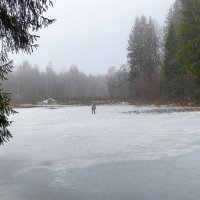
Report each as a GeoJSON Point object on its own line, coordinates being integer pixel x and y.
{"type": "Point", "coordinates": [163, 64]}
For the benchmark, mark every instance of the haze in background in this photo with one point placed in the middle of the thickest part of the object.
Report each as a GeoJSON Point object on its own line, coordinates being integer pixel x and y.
{"type": "Point", "coordinates": [91, 34]}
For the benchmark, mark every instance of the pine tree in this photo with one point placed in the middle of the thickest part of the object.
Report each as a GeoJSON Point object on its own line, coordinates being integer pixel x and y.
{"type": "Point", "coordinates": [174, 74]}
{"type": "Point", "coordinates": [136, 44]}
{"type": "Point", "coordinates": [152, 54]}
{"type": "Point", "coordinates": [170, 61]}
{"type": "Point", "coordinates": [143, 57]}
{"type": "Point", "coordinates": [19, 20]}
{"type": "Point", "coordinates": [189, 39]}
{"type": "Point", "coordinates": [172, 68]}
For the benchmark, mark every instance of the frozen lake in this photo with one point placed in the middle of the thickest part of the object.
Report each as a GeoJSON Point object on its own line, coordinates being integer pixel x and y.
{"type": "Point", "coordinates": [121, 153]}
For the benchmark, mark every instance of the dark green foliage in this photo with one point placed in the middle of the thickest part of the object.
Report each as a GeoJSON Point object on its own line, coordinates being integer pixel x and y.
{"type": "Point", "coordinates": [143, 58]}
{"type": "Point", "coordinates": [177, 80]}
{"type": "Point", "coordinates": [181, 63]}
{"type": "Point", "coordinates": [5, 110]}
{"type": "Point", "coordinates": [19, 19]}
{"type": "Point", "coordinates": [172, 70]}
{"type": "Point", "coordinates": [136, 46]}
{"type": "Point", "coordinates": [182, 51]}
{"type": "Point", "coordinates": [171, 63]}
{"type": "Point", "coordinates": [189, 37]}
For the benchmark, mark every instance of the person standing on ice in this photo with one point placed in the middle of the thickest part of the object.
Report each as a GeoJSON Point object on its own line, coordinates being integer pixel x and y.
{"type": "Point", "coordinates": [93, 107]}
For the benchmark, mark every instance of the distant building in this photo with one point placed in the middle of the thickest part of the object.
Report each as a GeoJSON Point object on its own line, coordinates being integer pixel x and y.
{"type": "Point", "coordinates": [49, 101]}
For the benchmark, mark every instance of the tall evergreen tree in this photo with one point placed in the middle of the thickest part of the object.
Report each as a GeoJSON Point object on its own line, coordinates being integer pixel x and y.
{"type": "Point", "coordinates": [189, 39]}
{"type": "Point", "coordinates": [136, 45]}
{"type": "Point", "coordinates": [175, 76]}
{"type": "Point", "coordinates": [136, 53]}
{"type": "Point", "coordinates": [152, 54]}
{"type": "Point", "coordinates": [172, 68]}
{"type": "Point", "coordinates": [143, 57]}
{"type": "Point", "coordinates": [19, 19]}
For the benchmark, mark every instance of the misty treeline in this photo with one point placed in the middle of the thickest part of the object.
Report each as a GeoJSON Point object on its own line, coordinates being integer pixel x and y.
{"type": "Point", "coordinates": [29, 85]}
{"type": "Point", "coordinates": [163, 63]}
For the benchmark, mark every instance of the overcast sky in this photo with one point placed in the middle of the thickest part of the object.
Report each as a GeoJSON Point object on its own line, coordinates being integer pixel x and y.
{"type": "Point", "coordinates": [91, 34]}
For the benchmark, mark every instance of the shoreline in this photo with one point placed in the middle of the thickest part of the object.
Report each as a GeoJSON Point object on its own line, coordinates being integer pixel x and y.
{"type": "Point", "coordinates": [163, 108]}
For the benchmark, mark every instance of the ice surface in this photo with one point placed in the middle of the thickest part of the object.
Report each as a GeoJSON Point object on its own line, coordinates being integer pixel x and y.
{"type": "Point", "coordinates": [70, 137]}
